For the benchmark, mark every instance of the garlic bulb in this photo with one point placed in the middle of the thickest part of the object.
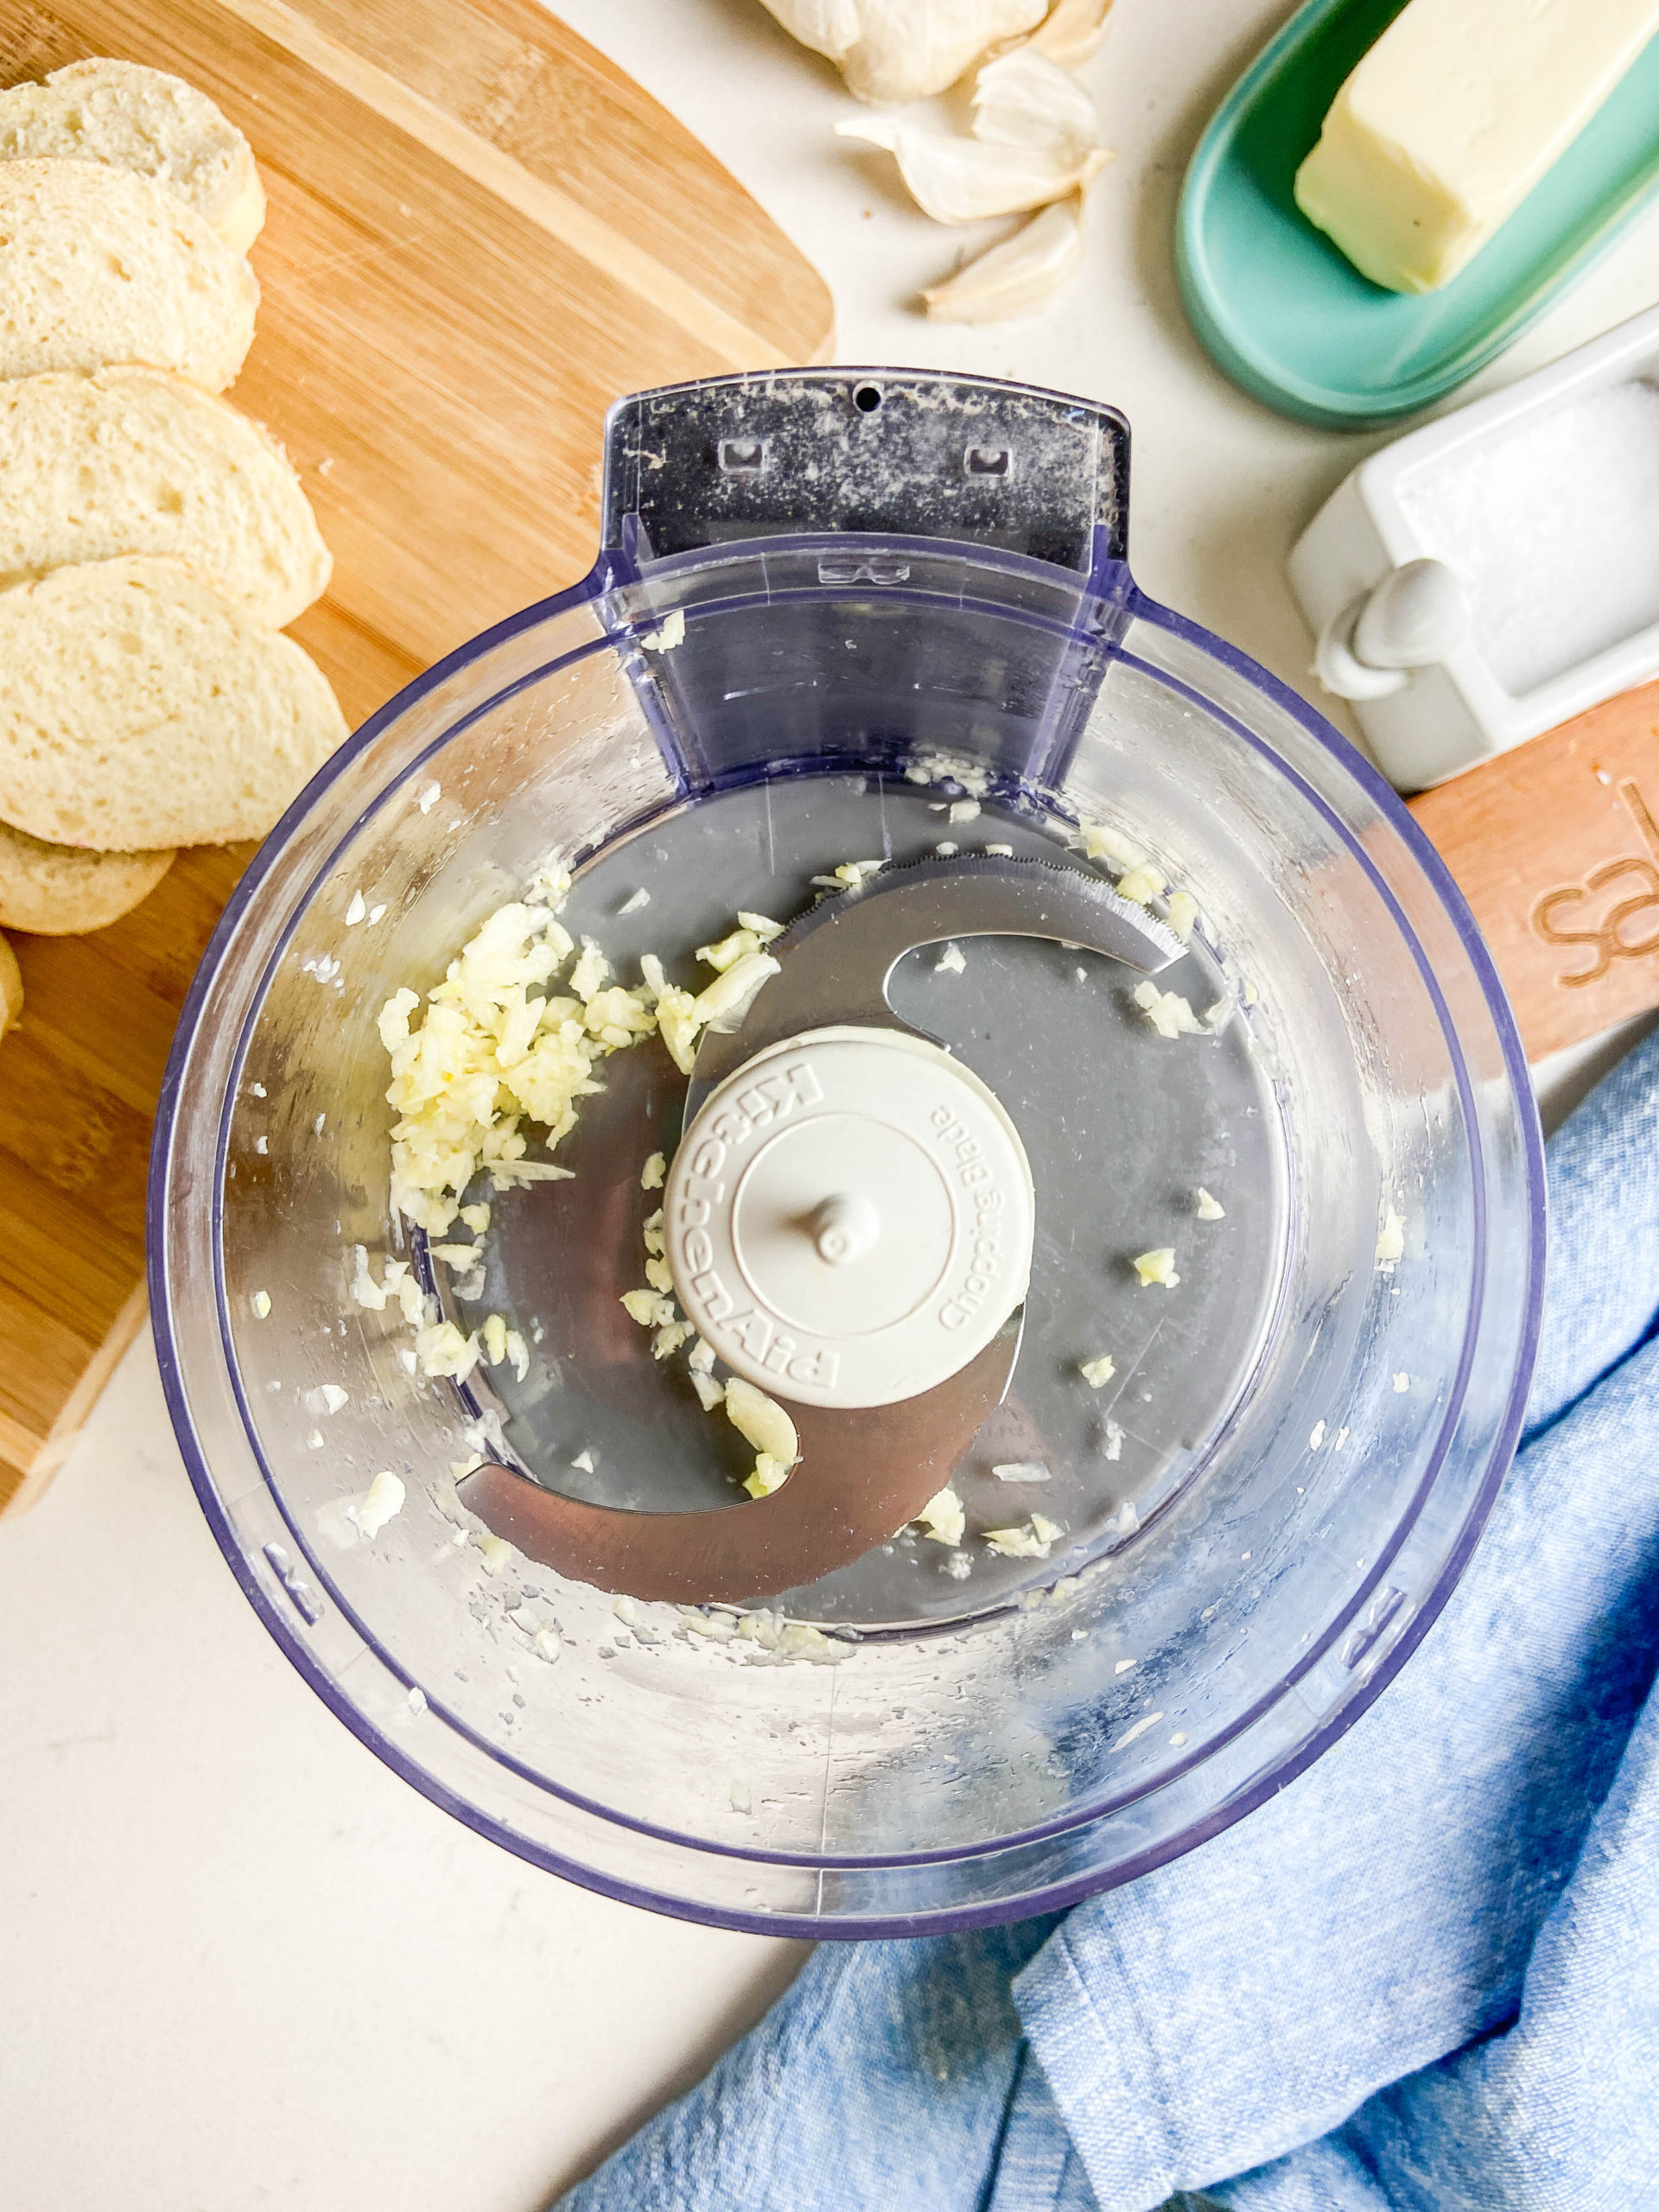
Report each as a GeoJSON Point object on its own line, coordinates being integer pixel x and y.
{"type": "Point", "coordinates": [966, 180]}
{"type": "Point", "coordinates": [1025, 99]}
{"type": "Point", "coordinates": [900, 50]}
{"type": "Point", "coordinates": [1071, 30]}
{"type": "Point", "coordinates": [1015, 277]}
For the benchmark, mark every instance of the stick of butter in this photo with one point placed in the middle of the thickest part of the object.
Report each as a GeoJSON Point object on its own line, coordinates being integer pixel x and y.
{"type": "Point", "coordinates": [1450, 120]}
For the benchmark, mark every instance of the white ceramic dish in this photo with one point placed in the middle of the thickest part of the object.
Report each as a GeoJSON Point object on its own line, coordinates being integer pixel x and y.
{"type": "Point", "coordinates": [1507, 679]}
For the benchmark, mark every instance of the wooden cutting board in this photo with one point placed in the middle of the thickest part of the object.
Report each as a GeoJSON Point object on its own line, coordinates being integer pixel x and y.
{"type": "Point", "coordinates": [1555, 845]}
{"type": "Point", "coordinates": [481, 233]}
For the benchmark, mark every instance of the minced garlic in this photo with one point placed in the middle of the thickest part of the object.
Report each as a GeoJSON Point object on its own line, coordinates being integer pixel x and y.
{"type": "Point", "coordinates": [848, 876]}
{"type": "Point", "coordinates": [761, 1420]}
{"type": "Point", "coordinates": [441, 1348]}
{"type": "Point", "coordinates": [1034, 1541]}
{"type": "Point", "coordinates": [942, 1519]}
{"type": "Point", "coordinates": [1391, 1239]}
{"type": "Point", "coordinates": [364, 1289]}
{"type": "Point", "coordinates": [1167, 1011]}
{"type": "Point", "coordinates": [710, 1393]}
{"type": "Point", "coordinates": [1157, 1267]}
{"type": "Point", "coordinates": [1205, 1207]}
{"type": "Point", "coordinates": [1096, 1373]}
{"type": "Point", "coordinates": [729, 949]}
{"type": "Point", "coordinates": [652, 1174]}
{"type": "Point", "coordinates": [1142, 884]}
{"type": "Point", "coordinates": [770, 1474]}
{"type": "Point", "coordinates": [385, 1499]}
{"type": "Point", "coordinates": [489, 1055]}
{"type": "Point", "coordinates": [1101, 842]}
{"type": "Point", "coordinates": [682, 1017]}
{"type": "Point", "coordinates": [1182, 914]}
{"type": "Point", "coordinates": [411, 1299]}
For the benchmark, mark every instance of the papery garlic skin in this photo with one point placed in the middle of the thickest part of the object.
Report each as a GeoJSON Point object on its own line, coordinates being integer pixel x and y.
{"type": "Point", "coordinates": [890, 51]}
{"type": "Point", "coordinates": [1071, 30]}
{"type": "Point", "coordinates": [966, 180]}
{"type": "Point", "coordinates": [1016, 276]}
{"type": "Point", "coordinates": [1024, 99]}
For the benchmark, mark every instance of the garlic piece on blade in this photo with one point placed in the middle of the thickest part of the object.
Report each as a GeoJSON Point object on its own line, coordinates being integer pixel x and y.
{"type": "Point", "coordinates": [761, 1421]}
{"type": "Point", "coordinates": [1016, 276]}
{"type": "Point", "coordinates": [967, 179]}
{"type": "Point", "coordinates": [898, 50]}
{"type": "Point", "coordinates": [1025, 99]}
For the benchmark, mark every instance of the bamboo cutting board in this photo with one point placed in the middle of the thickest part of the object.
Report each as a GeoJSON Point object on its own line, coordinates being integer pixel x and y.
{"type": "Point", "coordinates": [479, 234]}
{"type": "Point", "coordinates": [1555, 845]}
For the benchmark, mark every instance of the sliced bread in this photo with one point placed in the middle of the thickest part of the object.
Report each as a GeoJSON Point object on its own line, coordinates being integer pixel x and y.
{"type": "Point", "coordinates": [134, 461]}
{"type": "Point", "coordinates": [98, 265]}
{"type": "Point", "coordinates": [131, 117]}
{"type": "Point", "coordinates": [64, 890]}
{"type": "Point", "coordinates": [139, 709]}
{"type": "Point", "coordinates": [11, 987]}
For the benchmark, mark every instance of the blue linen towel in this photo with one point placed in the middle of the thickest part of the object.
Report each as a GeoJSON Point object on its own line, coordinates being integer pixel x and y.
{"type": "Point", "coordinates": [1424, 1978]}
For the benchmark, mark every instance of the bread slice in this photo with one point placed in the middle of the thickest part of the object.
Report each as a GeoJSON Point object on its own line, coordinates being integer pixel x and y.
{"type": "Point", "coordinates": [131, 117]}
{"type": "Point", "coordinates": [134, 461]}
{"type": "Point", "coordinates": [139, 709]}
{"type": "Point", "coordinates": [11, 987]}
{"type": "Point", "coordinates": [99, 266]}
{"type": "Point", "coordinates": [63, 891]}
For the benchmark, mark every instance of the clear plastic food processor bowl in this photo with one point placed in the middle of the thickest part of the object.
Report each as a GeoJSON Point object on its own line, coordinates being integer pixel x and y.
{"type": "Point", "coordinates": [833, 610]}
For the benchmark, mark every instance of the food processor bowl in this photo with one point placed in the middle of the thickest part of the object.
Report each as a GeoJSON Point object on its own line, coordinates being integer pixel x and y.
{"type": "Point", "coordinates": [858, 615]}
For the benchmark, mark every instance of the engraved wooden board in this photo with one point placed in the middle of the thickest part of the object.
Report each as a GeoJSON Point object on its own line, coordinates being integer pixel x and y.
{"type": "Point", "coordinates": [1555, 845]}
{"type": "Point", "coordinates": [481, 233]}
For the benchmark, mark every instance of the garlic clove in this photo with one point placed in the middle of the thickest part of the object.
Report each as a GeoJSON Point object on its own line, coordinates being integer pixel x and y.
{"type": "Point", "coordinates": [966, 180]}
{"type": "Point", "coordinates": [1071, 30]}
{"type": "Point", "coordinates": [898, 50]}
{"type": "Point", "coordinates": [1025, 99]}
{"type": "Point", "coordinates": [1016, 276]}
{"type": "Point", "coordinates": [831, 28]}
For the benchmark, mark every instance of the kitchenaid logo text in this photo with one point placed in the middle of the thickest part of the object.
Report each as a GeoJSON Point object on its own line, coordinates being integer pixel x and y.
{"type": "Point", "coordinates": [1560, 917]}
{"type": "Point", "coordinates": [767, 1100]}
{"type": "Point", "coordinates": [972, 1170]}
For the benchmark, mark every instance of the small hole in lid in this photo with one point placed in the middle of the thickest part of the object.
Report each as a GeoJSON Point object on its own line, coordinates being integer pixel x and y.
{"type": "Point", "coordinates": [742, 457]}
{"type": "Point", "coordinates": [866, 397]}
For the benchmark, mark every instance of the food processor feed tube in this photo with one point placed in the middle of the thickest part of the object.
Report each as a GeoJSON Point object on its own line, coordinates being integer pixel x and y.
{"type": "Point", "coordinates": [1089, 1228]}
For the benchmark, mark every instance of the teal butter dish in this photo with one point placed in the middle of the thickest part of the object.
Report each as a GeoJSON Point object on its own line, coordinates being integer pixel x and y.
{"type": "Point", "coordinates": [1289, 317]}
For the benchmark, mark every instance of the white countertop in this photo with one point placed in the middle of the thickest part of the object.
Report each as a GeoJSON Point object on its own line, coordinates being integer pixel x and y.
{"type": "Point", "coordinates": [245, 1965]}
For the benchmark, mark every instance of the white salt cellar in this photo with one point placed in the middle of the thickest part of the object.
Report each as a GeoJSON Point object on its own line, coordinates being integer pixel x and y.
{"type": "Point", "coordinates": [1495, 573]}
